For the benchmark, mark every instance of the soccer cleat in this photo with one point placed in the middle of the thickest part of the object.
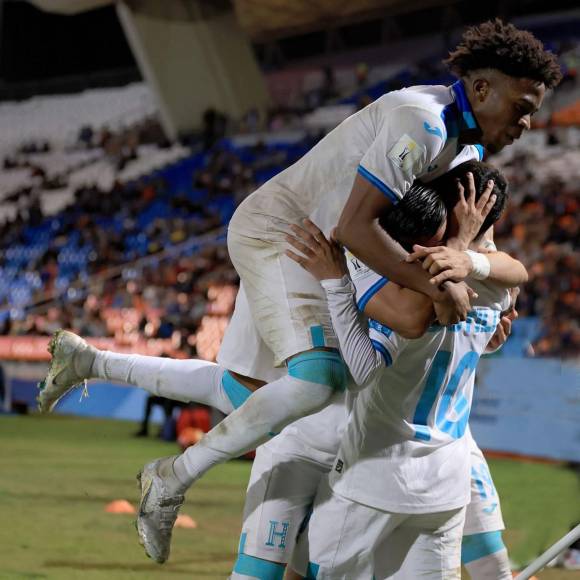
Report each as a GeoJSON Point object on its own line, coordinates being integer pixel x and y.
{"type": "Point", "coordinates": [161, 499]}
{"type": "Point", "coordinates": [70, 365]}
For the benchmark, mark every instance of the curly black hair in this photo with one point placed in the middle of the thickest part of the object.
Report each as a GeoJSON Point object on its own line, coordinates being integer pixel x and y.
{"type": "Point", "coordinates": [517, 53]}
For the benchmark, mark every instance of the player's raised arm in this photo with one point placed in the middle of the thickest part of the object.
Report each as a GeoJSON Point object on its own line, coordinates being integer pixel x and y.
{"type": "Point", "coordinates": [470, 252]}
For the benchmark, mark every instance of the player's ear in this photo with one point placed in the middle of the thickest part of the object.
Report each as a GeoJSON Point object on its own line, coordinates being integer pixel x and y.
{"type": "Point", "coordinates": [481, 88]}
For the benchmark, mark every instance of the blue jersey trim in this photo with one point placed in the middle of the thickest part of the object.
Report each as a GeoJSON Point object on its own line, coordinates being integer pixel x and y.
{"type": "Point", "coordinates": [449, 115]}
{"type": "Point", "coordinates": [364, 299]}
{"type": "Point", "coordinates": [383, 187]}
{"type": "Point", "coordinates": [479, 150]}
{"type": "Point", "coordinates": [476, 546]}
{"type": "Point", "coordinates": [380, 327]}
{"type": "Point", "coordinates": [466, 117]}
{"type": "Point", "coordinates": [381, 349]}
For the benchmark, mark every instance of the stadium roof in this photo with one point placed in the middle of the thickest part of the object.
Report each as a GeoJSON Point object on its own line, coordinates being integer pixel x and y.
{"type": "Point", "coordinates": [262, 19]}
{"type": "Point", "coordinates": [277, 18]}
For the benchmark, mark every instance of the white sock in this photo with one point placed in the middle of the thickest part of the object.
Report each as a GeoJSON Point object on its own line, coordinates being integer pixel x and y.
{"type": "Point", "coordinates": [268, 410]}
{"type": "Point", "coordinates": [189, 380]}
{"type": "Point", "coordinates": [496, 566]}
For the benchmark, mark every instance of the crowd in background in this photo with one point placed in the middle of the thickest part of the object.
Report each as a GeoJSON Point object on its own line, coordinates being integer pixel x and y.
{"type": "Point", "coordinates": [188, 298]}
{"type": "Point", "coordinates": [541, 229]}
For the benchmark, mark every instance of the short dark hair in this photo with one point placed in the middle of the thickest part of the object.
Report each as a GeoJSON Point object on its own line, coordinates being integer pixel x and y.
{"type": "Point", "coordinates": [419, 214]}
{"type": "Point", "coordinates": [517, 53]}
{"type": "Point", "coordinates": [446, 185]}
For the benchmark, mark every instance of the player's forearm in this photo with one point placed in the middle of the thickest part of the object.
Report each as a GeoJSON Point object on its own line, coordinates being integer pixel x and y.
{"type": "Point", "coordinates": [355, 344]}
{"type": "Point", "coordinates": [405, 311]}
{"type": "Point", "coordinates": [505, 270]}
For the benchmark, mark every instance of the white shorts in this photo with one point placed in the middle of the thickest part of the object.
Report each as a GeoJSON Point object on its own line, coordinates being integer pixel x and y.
{"type": "Point", "coordinates": [287, 304]}
{"type": "Point", "coordinates": [284, 482]}
{"type": "Point", "coordinates": [242, 349]}
{"type": "Point", "coordinates": [484, 511]}
{"type": "Point", "coordinates": [279, 498]}
{"type": "Point", "coordinates": [348, 540]}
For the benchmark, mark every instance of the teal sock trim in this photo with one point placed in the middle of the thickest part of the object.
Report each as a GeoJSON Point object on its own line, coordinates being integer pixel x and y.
{"type": "Point", "coordinates": [317, 335]}
{"type": "Point", "coordinates": [236, 392]}
{"type": "Point", "coordinates": [242, 544]}
{"type": "Point", "coordinates": [312, 571]}
{"type": "Point", "coordinates": [256, 567]}
{"type": "Point", "coordinates": [476, 546]}
{"type": "Point", "coordinates": [323, 367]}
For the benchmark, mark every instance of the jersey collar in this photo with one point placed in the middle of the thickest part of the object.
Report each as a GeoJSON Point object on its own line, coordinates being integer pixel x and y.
{"type": "Point", "coordinates": [469, 131]}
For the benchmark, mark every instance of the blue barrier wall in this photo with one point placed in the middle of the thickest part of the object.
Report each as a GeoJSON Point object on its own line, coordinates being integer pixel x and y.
{"type": "Point", "coordinates": [523, 406]}
{"type": "Point", "coordinates": [529, 407]}
{"type": "Point", "coordinates": [104, 400]}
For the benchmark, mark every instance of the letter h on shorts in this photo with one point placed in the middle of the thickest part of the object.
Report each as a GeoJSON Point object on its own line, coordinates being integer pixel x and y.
{"type": "Point", "coordinates": [275, 534]}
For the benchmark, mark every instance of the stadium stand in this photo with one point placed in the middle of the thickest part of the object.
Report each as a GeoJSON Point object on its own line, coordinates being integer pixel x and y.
{"type": "Point", "coordinates": [119, 236]}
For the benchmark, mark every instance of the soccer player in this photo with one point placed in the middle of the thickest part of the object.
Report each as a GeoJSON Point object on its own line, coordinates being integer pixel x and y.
{"type": "Point", "coordinates": [357, 172]}
{"type": "Point", "coordinates": [400, 482]}
{"type": "Point", "coordinates": [421, 211]}
{"type": "Point", "coordinates": [288, 469]}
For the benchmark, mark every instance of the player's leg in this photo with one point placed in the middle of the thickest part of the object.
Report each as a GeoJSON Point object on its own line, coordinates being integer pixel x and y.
{"type": "Point", "coordinates": [199, 381]}
{"type": "Point", "coordinates": [340, 538]}
{"type": "Point", "coordinates": [280, 493]}
{"type": "Point", "coordinates": [423, 546]}
{"type": "Point", "coordinates": [483, 552]}
{"type": "Point", "coordinates": [290, 312]}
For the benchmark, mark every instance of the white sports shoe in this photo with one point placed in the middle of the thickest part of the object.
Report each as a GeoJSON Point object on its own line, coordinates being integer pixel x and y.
{"type": "Point", "coordinates": [161, 499]}
{"type": "Point", "coordinates": [70, 366]}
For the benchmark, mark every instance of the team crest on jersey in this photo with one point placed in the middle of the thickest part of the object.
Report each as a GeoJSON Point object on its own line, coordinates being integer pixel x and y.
{"type": "Point", "coordinates": [339, 466]}
{"type": "Point", "coordinates": [405, 153]}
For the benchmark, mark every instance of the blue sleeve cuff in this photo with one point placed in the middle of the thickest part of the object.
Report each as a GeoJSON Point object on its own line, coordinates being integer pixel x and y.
{"type": "Point", "coordinates": [383, 187]}
{"type": "Point", "coordinates": [381, 349]}
{"type": "Point", "coordinates": [364, 299]}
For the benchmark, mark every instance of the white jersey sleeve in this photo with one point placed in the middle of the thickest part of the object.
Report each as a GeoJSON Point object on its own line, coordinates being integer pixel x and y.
{"type": "Point", "coordinates": [366, 281]}
{"type": "Point", "coordinates": [363, 354]}
{"type": "Point", "coordinates": [409, 138]}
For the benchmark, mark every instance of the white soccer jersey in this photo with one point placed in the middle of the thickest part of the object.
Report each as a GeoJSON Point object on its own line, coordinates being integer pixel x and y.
{"type": "Point", "coordinates": [404, 448]}
{"type": "Point", "coordinates": [414, 133]}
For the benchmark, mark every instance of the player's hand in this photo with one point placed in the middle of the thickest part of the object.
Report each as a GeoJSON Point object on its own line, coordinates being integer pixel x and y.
{"type": "Point", "coordinates": [443, 263]}
{"type": "Point", "coordinates": [502, 332]}
{"type": "Point", "coordinates": [453, 303]}
{"type": "Point", "coordinates": [504, 327]}
{"type": "Point", "coordinates": [324, 259]}
{"type": "Point", "coordinates": [471, 214]}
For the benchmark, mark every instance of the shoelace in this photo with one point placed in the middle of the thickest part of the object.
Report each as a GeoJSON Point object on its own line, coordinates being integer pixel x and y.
{"type": "Point", "coordinates": [168, 514]}
{"type": "Point", "coordinates": [168, 508]}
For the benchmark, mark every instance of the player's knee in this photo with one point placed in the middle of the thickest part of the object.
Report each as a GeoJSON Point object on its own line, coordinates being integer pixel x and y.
{"type": "Point", "coordinates": [476, 546]}
{"type": "Point", "coordinates": [322, 367]}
